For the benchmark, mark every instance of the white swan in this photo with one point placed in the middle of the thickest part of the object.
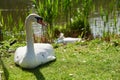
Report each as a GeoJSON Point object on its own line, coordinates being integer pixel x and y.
{"type": "Point", "coordinates": [33, 55]}
{"type": "Point", "coordinates": [65, 40]}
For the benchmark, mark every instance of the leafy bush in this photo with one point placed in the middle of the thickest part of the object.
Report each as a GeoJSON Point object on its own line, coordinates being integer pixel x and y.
{"type": "Point", "coordinates": [80, 23]}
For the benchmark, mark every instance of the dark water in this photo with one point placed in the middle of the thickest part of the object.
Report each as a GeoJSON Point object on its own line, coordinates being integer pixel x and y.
{"type": "Point", "coordinates": [16, 8]}
{"type": "Point", "coordinates": [98, 26]}
{"type": "Point", "coordinates": [14, 4]}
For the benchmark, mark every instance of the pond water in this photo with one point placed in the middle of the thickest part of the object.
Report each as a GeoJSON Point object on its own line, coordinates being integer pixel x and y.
{"type": "Point", "coordinates": [18, 9]}
{"type": "Point", "coordinates": [99, 26]}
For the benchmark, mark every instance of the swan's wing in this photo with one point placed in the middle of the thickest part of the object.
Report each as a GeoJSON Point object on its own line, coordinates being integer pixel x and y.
{"type": "Point", "coordinates": [38, 47]}
{"type": "Point", "coordinates": [44, 53]}
{"type": "Point", "coordinates": [70, 40]}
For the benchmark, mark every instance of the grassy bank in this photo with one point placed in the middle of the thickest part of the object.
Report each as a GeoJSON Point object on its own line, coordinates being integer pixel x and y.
{"type": "Point", "coordinates": [91, 60]}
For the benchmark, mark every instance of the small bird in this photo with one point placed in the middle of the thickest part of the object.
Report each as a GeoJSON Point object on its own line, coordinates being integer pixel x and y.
{"type": "Point", "coordinates": [66, 40]}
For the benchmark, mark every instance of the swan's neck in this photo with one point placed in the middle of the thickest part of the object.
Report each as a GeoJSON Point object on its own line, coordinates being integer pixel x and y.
{"type": "Point", "coordinates": [29, 36]}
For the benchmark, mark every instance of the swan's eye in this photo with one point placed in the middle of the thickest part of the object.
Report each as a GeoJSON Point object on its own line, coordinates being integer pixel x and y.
{"type": "Point", "coordinates": [43, 55]}
{"type": "Point", "coordinates": [39, 18]}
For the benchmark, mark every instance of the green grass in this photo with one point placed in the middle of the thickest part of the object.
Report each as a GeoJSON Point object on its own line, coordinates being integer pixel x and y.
{"type": "Point", "coordinates": [92, 60]}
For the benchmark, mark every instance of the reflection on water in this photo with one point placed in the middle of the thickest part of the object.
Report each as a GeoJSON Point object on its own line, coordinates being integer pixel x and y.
{"type": "Point", "coordinates": [99, 26]}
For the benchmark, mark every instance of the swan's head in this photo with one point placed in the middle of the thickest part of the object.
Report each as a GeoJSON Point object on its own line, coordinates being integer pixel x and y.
{"type": "Point", "coordinates": [33, 17]}
{"type": "Point", "coordinates": [60, 39]}
{"type": "Point", "coordinates": [61, 36]}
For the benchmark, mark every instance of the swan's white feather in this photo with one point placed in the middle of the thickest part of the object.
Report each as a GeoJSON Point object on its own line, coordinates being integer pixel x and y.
{"type": "Point", "coordinates": [63, 39]}
{"type": "Point", "coordinates": [43, 54]}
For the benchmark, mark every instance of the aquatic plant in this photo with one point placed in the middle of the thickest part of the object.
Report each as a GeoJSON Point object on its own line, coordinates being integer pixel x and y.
{"type": "Point", "coordinates": [80, 23]}
{"type": "Point", "coordinates": [106, 16]}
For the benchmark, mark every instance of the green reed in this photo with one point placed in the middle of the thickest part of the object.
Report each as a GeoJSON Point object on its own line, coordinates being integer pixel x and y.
{"type": "Point", "coordinates": [10, 28]}
{"type": "Point", "coordinates": [71, 17]}
{"type": "Point", "coordinates": [1, 25]}
{"type": "Point", "coordinates": [79, 20]}
{"type": "Point", "coordinates": [106, 15]}
{"type": "Point", "coordinates": [53, 10]}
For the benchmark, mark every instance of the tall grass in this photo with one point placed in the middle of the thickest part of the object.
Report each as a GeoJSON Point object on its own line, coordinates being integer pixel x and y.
{"type": "Point", "coordinates": [11, 28]}
{"type": "Point", "coordinates": [106, 16]}
{"type": "Point", "coordinates": [51, 10]}
{"type": "Point", "coordinates": [73, 13]}
{"type": "Point", "coordinates": [79, 22]}
{"type": "Point", "coordinates": [1, 25]}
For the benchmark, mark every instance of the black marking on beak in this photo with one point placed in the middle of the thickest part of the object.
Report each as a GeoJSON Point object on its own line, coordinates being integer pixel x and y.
{"type": "Point", "coordinates": [39, 18]}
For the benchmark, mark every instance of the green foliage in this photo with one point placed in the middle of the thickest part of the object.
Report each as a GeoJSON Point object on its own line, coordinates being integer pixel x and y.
{"type": "Point", "coordinates": [86, 7]}
{"type": "Point", "coordinates": [10, 28]}
{"type": "Point", "coordinates": [5, 47]}
{"type": "Point", "coordinates": [106, 16]}
{"type": "Point", "coordinates": [48, 10]}
{"type": "Point", "coordinates": [118, 4]}
{"type": "Point", "coordinates": [66, 8]}
{"type": "Point", "coordinates": [80, 23]}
